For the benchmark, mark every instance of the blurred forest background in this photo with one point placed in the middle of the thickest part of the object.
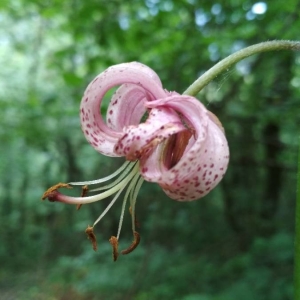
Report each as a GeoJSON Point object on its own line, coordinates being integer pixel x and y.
{"type": "Point", "coordinates": [237, 242]}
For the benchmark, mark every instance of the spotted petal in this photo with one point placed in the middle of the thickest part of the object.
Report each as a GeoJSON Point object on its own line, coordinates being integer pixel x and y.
{"type": "Point", "coordinates": [139, 141]}
{"type": "Point", "coordinates": [205, 156]}
{"type": "Point", "coordinates": [126, 107]}
{"type": "Point", "coordinates": [143, 84]}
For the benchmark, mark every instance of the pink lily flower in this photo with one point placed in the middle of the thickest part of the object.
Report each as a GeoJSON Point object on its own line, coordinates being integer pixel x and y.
{"type": "Point", "coordinates": [181, 145]}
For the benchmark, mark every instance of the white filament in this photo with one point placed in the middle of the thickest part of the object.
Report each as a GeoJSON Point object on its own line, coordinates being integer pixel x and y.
{"type": "Point", "coordinates": [101, 196]}
{"type": "Point", "coordinates": [129, 190]}
{"type": "Point", "coordinates": [108, 186]}
{"type": "Point", "coordinates": [132, 174]}
{"type": "Point", "coordinates": [105, 178]}
{"type": "Point", "coordinates": [133, 200]}
{"type": "Point", "coordinates": [109, 205]}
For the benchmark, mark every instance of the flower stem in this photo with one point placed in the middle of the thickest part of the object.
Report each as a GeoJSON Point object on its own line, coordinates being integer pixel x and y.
{"type": "Point", "coordinates": [297, 239]}
{"type": "Point", "coordinates": [232, 59]}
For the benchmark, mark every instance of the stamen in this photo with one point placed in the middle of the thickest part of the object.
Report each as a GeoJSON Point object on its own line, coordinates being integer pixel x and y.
{"type": "Point", "coordinates": [137, 224]}
{"type": "Point", "coordinates": [109, 205]}
{"type": "Point", "coordinates": [84, 191]}
{"type": "Point", "coordinates": [114, 242]}
{"type": "Point", "coordinates": [130, 175]}
{"type": "Point", "coordinates": [133, 201]}
{"type": "Point", "coordinates": [91, 236]}
{"type": "Point", "coordinates": [133, 196]}
{"type": "Point", "coordinates": [129, 191]}
{"type": "Point", "coordinates": [52, 191]}
{"type": "Point", "coordinates": [134, 244]}
{"type": "Point", "coordinates": [108, 186]}
{"type": "Point", "coordinates": [91, 182]}
{"type": "Point", "coordinates": [84, 200]}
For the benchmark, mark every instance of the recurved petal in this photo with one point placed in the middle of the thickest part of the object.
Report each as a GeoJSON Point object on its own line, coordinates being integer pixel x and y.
{"type": "Point", "coordinates": [204, 161]}
{"type": "Point", "coordinates": [139, 141]}
{"type": "Point", "coordinates": [126, 107]}
{"type": "Point", "coordinates": [102, 137]}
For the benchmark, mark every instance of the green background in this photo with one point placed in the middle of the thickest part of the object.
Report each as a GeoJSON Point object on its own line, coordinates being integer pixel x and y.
{"type": "Point", "coordinates": [237, 242]}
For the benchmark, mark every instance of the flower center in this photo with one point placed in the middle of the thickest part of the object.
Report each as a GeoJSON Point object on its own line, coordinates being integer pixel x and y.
{"type": "Point", "coordinates": [174, 148]}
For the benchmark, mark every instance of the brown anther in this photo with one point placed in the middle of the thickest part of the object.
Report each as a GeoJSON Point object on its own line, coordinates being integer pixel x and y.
{"type": "Point", "coordinates": [51, 192]}
{"type": "Point", "coordinates": [134, 244]}
{"type": "Point", "coordinates": [84, 191]}
{"type": "Point", "coordinates": [114, 242]}
{"type": "Point", "coordinates": [91, 236]}
{"type": "Point", "coordinates": [83, 194]}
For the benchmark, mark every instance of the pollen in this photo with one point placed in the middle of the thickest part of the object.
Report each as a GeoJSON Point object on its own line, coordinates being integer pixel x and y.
{"type": "Point", "coordinates": [134, 243]}
{"type": "Point", "coordinates": [115, 243]}
{"type": "Point", "coordinates": [84, 191]}
{"type": "Point", "coordinates": [91, 236]}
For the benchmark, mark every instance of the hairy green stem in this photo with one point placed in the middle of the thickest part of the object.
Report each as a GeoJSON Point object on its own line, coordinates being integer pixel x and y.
{"type": "Point", "coordinates": [232, 59]}
{"type": "Point", "coordinates": [297, 239]}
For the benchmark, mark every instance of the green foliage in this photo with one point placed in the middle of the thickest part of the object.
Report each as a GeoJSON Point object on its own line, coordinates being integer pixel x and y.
{"type": "Point", "coordinates": [237, 243]}
{"type": "Point", "coordinates": [297, 237]}
{"type": "Point", "coordinates": [182, 273]}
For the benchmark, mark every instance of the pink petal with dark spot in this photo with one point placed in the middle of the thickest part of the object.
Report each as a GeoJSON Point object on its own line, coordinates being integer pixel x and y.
{"type": "Point", "coordinates": [199, 169]}
{"type": "Point", "coordinates": [126, 107]}
{"type": "Point", "coordinates": [92, 123]}
{"type": "Point", "coordinates": [140, 140]}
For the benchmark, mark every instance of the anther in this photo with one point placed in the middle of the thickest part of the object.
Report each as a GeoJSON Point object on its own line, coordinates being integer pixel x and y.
{"type": "Point", "coordinates": [114, 242]}
{"type": "Point", "coordinates": [91, 236]}
{"type": "Point", "coordinates": [134, 244]}
{"type": "Point", "coordinates": [83, 194]}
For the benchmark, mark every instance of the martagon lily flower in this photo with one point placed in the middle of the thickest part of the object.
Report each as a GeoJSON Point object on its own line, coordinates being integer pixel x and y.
{"type": "Point", "coordinates": [181, 146]}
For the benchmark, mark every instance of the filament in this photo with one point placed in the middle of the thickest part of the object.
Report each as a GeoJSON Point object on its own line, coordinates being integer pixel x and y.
{"type": "Point", "coordinates": [108, 186]}
{"type": "Point", "coordinates": [129, 190]}
{"type": "Point", "coordinates": [133, 201]}
{"type": "Point", "coordinates": [91, 182]}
